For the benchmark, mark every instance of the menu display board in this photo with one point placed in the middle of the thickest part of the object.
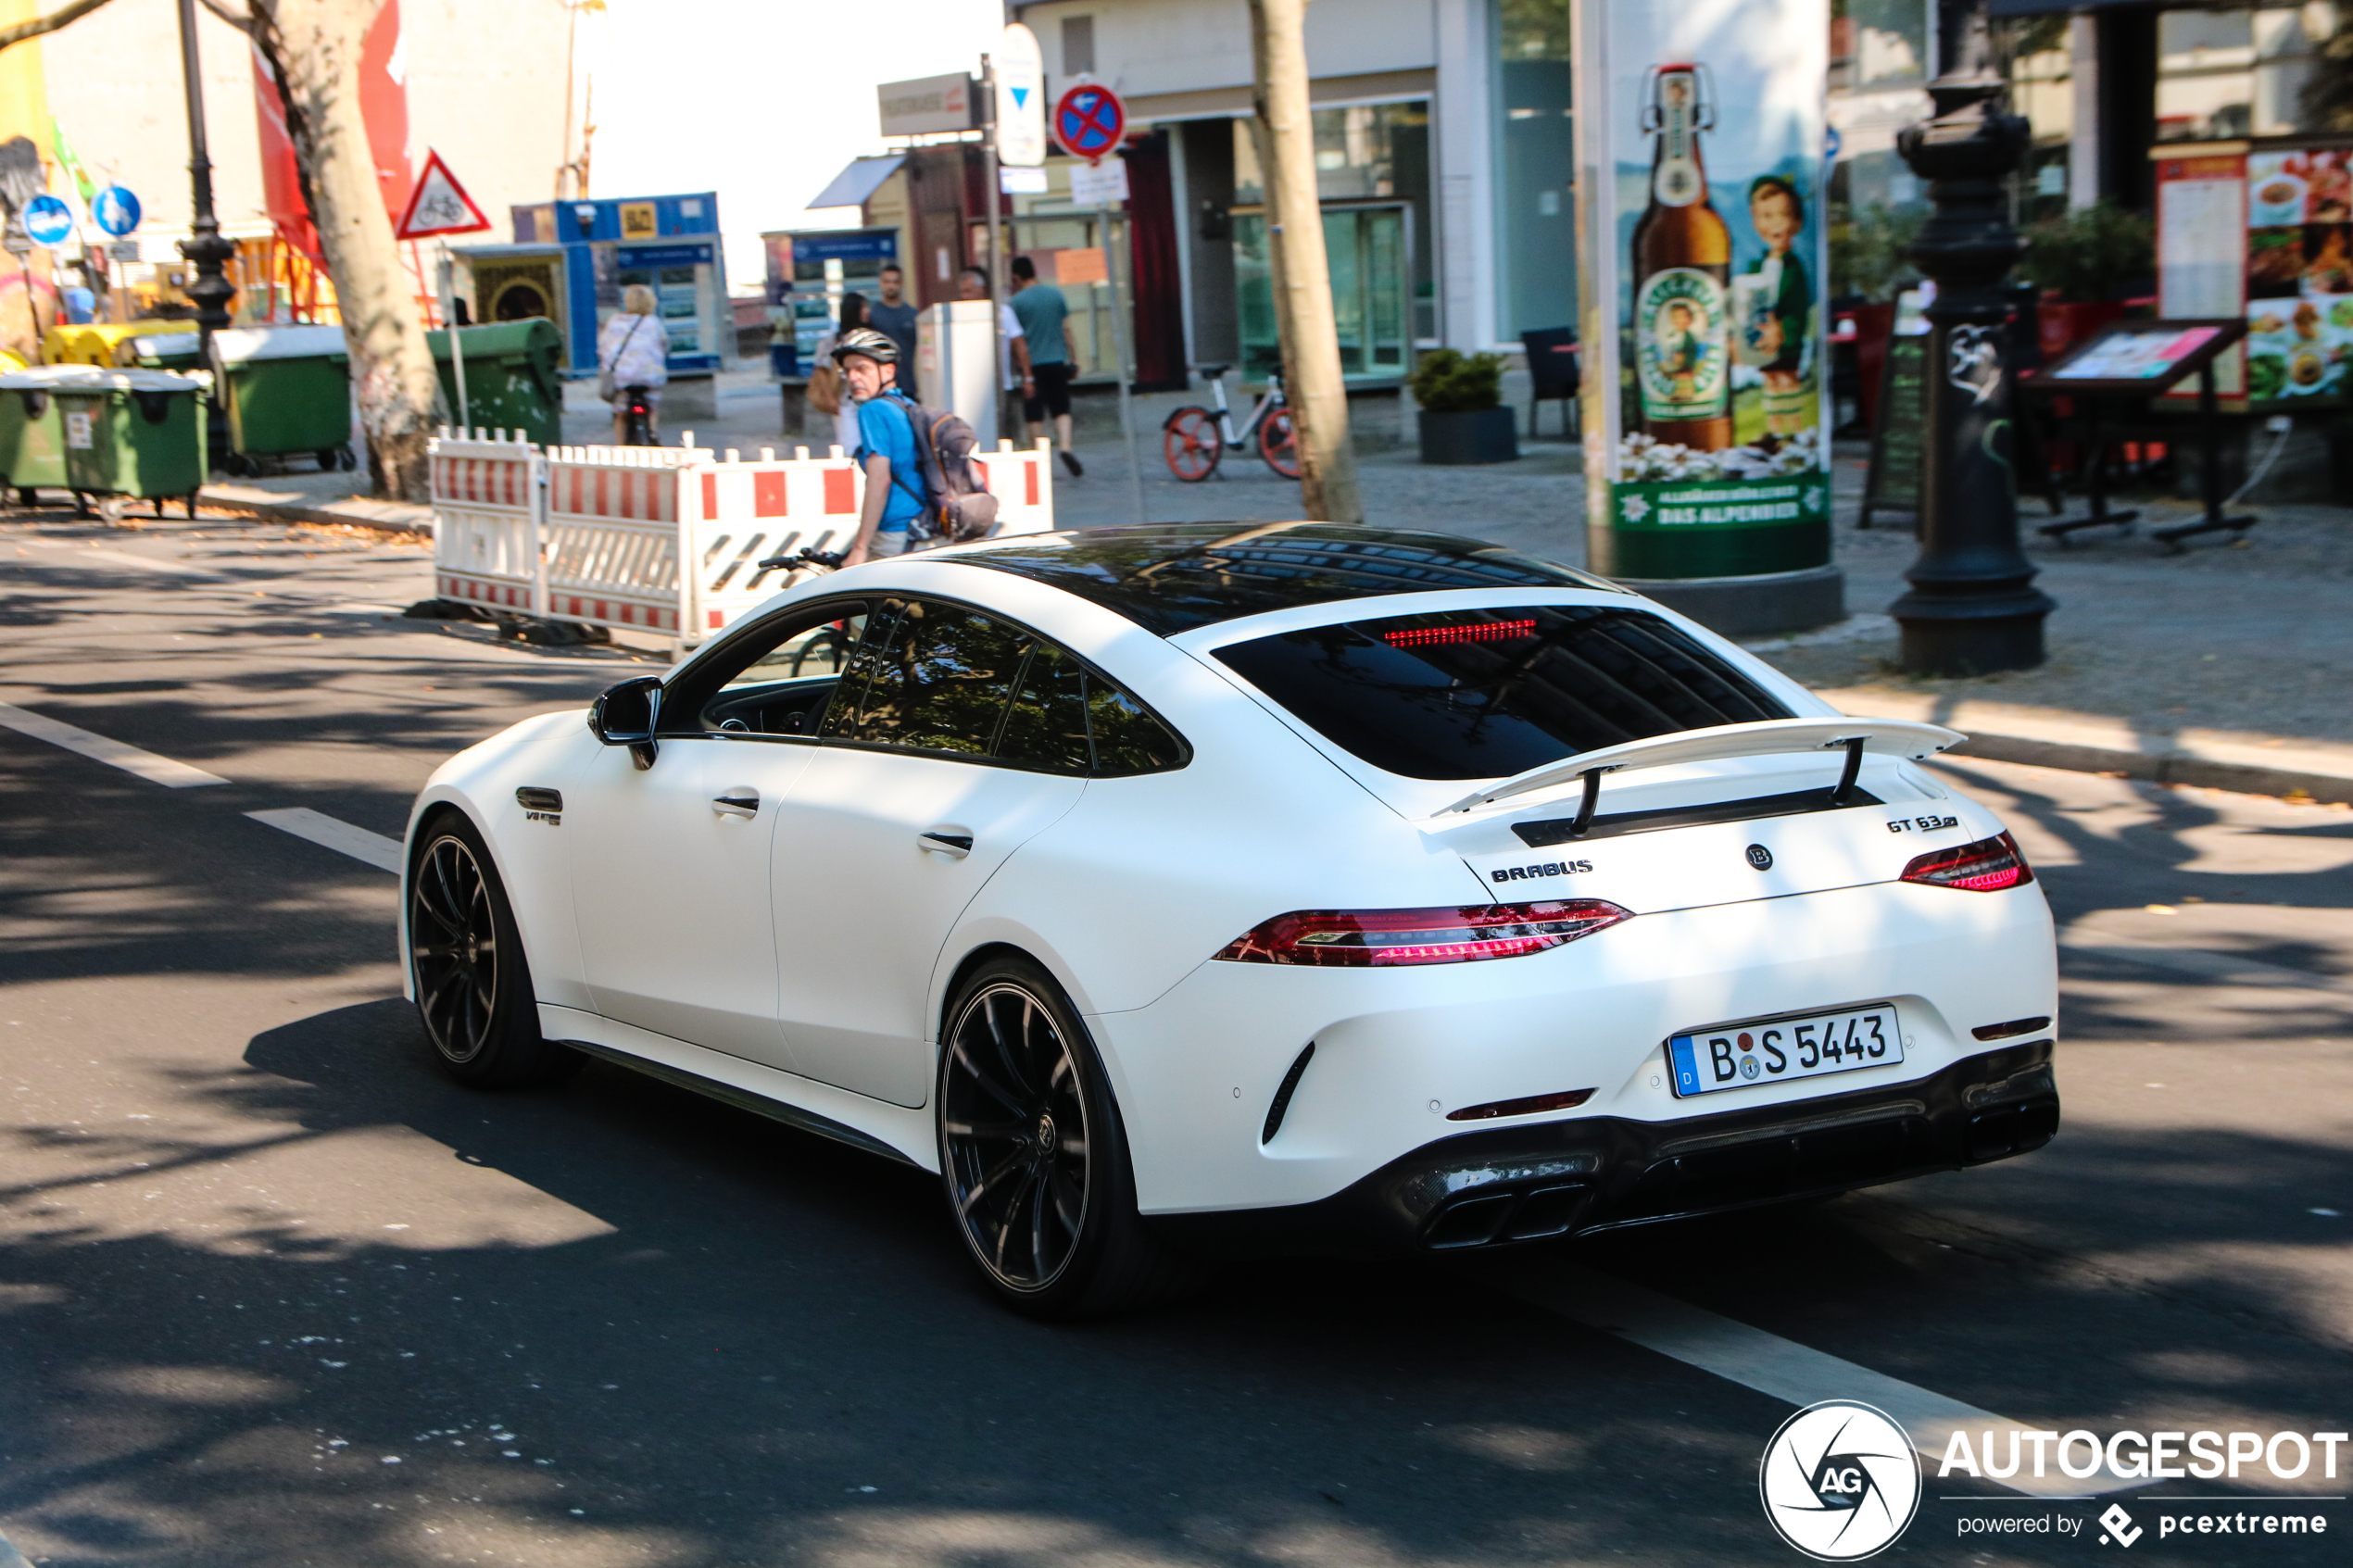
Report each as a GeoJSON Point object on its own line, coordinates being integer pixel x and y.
{"type": "Point", "coordinates": [2299, 274]}
{"type": "Point", "coordinates": [2144, 357]}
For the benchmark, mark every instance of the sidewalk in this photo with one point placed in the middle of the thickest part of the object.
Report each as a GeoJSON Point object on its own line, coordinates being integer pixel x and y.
{"type": "Point", "coordinates": [2228, 667]}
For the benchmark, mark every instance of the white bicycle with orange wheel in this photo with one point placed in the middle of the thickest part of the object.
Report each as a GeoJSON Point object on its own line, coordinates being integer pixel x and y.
{"type": "Point", "coordinates": [1195, 439]}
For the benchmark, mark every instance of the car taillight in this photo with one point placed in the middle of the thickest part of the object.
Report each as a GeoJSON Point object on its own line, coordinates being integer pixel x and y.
{"type": "Point", "coordinates": [1387, 938]}
{"type": "Point", "coordinates": [1987, 866]}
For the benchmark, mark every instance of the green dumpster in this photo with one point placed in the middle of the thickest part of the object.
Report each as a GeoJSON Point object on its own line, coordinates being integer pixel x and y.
{"type": "Point", "coordinates": [512, 383]}
{"type": "Point", "coordinates": [287, 390]}
{"type": "Point", "coordinates": [135, 434]}
{"type": "Point", "coordinates": [33, 436]}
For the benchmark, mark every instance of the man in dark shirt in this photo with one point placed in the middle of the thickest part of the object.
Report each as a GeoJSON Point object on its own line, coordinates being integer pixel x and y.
{"type": "Point", "coordinates": [894, 317]}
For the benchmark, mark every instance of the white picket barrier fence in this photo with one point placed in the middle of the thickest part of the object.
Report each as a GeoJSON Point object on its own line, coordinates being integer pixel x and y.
{"type": "Point", "coordinates": [612, 523]}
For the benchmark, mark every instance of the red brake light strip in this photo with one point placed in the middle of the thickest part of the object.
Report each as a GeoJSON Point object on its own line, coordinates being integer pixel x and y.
{"type": "Point", "coordinates": [1469, 631]}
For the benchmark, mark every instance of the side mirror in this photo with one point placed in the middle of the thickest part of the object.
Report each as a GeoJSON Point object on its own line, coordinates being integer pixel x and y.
{"type": "Point", "coordinates": [626, 715]}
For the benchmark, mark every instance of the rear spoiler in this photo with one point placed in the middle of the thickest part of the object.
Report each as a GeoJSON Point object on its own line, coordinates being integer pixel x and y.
{"type": "Point", "coordinates": [1888, 738]}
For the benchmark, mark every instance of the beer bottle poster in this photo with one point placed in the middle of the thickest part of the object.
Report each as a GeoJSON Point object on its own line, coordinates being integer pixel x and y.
{"type": "Point", "coordinates": [1704, 279]}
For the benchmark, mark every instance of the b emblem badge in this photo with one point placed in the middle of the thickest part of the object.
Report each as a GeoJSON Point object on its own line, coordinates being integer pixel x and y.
{"type": "Point", "coordinates": [1760, 857]}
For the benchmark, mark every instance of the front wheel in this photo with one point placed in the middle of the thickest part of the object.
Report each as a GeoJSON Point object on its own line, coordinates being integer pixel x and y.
{"type": "Point", "coordinates": [1279, 444]}
{"type": "Point", "coordinates": [1192, 443]}
{"type": "Point", "coordinates": [1034, 1159]}
{"type": "Point", "coordinates": [474, 987]}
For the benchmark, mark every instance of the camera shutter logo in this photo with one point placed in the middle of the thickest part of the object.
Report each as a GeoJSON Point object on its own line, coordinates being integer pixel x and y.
{"type": "Point", "coordinates": [1838, 1481]}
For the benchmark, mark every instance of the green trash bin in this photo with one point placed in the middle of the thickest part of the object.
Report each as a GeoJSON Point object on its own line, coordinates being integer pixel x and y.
{"type": "Point", "coordinates": [287, 390]}
{"type": "Point", "coordinates": [134, 434]}
{"type": "Point", "coordinates": [511, 380]}
{"type": "Point", "coordinates": [33, 435]}
{"type": "Point", "coordinates": [177, 352]}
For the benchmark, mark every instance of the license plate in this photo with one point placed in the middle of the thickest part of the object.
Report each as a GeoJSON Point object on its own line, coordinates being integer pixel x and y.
{"type": "Point", "coordinates": [1778, 1049]}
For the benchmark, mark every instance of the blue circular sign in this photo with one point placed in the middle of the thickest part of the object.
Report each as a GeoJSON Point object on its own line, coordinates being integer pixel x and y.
{"type": "Point", "coordinates": [1088, 122]}
{"type": "Point", "coordinates": [116, 209]}
{"type": "Point", "coordinates": [47, 220]}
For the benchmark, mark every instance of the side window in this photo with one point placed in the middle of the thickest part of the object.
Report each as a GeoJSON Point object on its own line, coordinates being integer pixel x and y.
{"type": "Point", "coordinates": [1128, 740]}
{"type": "Point", "coordinates": [777, 678]}
{"type": "Point", "coordinates": [938, 679]}
{"type": "Point", "coordinates": [1046, 727]}
{"type": "Point", "coordinates": [949, 681]}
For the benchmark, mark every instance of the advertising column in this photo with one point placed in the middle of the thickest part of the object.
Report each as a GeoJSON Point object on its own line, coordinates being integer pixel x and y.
{"type": "Point", "coordinates": [1704, 279]}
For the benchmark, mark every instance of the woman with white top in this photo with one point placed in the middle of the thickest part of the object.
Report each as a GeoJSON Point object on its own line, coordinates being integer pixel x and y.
{"type": "Point", "coordinates": [634, 350]}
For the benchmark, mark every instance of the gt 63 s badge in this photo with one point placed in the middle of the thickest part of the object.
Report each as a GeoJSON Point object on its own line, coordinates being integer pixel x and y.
{"type": "Point", "coordinates": [1839, 1480]}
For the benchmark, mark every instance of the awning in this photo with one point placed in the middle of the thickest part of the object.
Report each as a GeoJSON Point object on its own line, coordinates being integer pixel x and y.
{"type": "Point", "coordinates": [861, 180]}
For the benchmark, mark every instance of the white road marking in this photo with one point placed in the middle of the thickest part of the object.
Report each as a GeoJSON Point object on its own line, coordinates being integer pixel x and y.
{"type": "Point", "coordinates": [115, 753]}
{"type": "Point", "coordinates": [1785, 1369]}
{"type": "Point", "coordinates": [384, 854]}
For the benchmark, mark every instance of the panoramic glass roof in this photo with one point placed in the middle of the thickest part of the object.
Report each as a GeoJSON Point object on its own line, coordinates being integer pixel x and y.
{"type": "Point", "coordinates": [1173, 577]}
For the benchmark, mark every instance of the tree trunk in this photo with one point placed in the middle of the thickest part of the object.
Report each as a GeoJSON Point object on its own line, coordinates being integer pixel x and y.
{"type": "Point", "coordinates": [314, 46]}
{"type": "Point", "coordinates": [1286, 138]}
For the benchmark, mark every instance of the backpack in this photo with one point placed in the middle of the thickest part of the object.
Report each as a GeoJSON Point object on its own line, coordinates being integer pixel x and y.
{"type": "Point", "coordinates": [960, 508]}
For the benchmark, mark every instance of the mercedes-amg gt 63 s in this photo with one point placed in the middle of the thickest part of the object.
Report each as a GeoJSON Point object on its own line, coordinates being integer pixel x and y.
{"type": "Point", "coordinates": [1190, 891]}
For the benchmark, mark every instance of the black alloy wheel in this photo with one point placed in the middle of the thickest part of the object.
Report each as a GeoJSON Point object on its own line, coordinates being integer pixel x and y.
{"type": "Point", "coordinates": [474, 987]}
{"type": "Point", "coordinates": [1033, 1157]}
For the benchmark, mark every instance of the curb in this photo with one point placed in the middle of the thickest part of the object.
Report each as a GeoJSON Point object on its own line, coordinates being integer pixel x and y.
{"type": "Point", "coordinates": [2163, 768]}
{"type": "Point", "coordinates": [2073, 742]}
{"type": "Point", "coordinates": [385, 517]}
{"type": "Point", "coordinates": [2243, 763]}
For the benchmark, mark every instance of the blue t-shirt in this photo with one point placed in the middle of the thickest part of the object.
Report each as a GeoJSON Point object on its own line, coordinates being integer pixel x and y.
{"type": "Point", "coordinates": [885, 430]}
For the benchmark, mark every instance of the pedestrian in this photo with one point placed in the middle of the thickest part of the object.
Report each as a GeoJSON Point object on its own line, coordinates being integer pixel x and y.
{"type": "Point", "coordinates": [826, 391]}
{"type": "Point", "coordinates": [1012, 350]}
{"type": "Point", "coordinates": [895, 490]}
{"type": "Point", "coordinates": [634, 350]}
{"type": "Point", "coordinates": [895, 317]}
{"type": "Point", "coordinates": [1042, 310]}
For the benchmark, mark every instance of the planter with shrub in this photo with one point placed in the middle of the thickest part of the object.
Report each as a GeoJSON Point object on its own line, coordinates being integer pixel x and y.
{"type": "Point", "coordinates": [1463, 419]}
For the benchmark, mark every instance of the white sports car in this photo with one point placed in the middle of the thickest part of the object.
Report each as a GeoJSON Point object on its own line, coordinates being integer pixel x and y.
{"type": "Point", "coordinates": [1181, 891]}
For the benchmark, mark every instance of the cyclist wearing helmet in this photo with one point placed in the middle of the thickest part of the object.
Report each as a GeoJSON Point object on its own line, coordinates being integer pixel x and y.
{"type": "Point", "coordinates": [869, 362]}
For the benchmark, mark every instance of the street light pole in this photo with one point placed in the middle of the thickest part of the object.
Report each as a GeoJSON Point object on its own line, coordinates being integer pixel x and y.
{"type": "Point", "coordinates": [205, 248]}
{"type": "Point", "coordinates": [1972, 607]}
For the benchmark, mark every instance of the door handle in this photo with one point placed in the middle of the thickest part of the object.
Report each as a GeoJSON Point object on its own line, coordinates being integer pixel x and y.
{"type": "Point", "coordinates": [742, 803]}
{"type": "Point", "coordinates": [955, 845]}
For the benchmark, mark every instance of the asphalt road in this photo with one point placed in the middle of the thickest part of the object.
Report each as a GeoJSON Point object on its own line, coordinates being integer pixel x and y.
{"type": "Point", "coordinates": [273, 1291]}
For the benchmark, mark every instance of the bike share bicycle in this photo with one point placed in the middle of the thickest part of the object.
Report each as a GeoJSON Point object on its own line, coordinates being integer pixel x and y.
{"type": "Point", "coordinates": [1194, 439]}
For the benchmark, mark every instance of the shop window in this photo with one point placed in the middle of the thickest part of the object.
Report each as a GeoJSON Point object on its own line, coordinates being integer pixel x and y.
{"type": "Point", "coordinates": [2223, 74]}
{"type": "Point", "coordinates": [1536, 141]}
{"type": "Point", "coordinates": [2036, 56]}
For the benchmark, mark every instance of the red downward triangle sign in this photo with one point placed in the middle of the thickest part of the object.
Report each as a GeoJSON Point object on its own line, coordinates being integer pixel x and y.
{"type": "Point", "coordinates": [439, 205]}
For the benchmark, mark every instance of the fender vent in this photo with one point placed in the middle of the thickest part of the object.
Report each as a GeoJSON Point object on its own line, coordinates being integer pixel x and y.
{"type": "Point", "coordinates": [1283, 1095]}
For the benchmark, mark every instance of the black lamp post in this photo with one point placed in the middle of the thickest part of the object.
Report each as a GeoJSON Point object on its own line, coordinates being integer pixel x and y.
{"type": "Point", "coordinates": [205, 248]}
{"type": "Point", "coordinates": [1972, 607]}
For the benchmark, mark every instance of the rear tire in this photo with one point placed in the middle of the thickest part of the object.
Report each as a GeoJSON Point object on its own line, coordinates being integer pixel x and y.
{"type": "Point", "coordinates": [472, 982]}
{"type": "Point", "coordinates": [1192, 443]}
{"type": "Point", "coordinates": [1033, 1156]}
{"type": "Point", "coordinates": [1279, 444]}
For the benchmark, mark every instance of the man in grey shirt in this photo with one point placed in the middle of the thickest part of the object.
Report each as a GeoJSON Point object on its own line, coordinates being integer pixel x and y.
{"type": "Point", "coordinates": [1042, 310]}
{"type": "Point", "coordinates": [894, 317]}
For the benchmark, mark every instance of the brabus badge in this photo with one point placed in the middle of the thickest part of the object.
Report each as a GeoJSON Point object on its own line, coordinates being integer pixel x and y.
{"type": "Point", "coordinates": [1760, 857]}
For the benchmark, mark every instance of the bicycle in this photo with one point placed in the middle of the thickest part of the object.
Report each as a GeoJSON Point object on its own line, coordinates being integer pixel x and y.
{"type": "Point", "coordinates": [637, 418]}
{"type": "Point", "coordinates": [1195, 439]}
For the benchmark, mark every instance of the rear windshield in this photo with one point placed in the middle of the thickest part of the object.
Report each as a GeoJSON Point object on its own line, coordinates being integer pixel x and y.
{"type": "Point", "coordinates": [1486, 693]}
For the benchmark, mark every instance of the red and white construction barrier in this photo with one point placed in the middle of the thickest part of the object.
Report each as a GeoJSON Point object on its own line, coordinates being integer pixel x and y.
{"type": "Point", "coordinates": [485, 522]}
{"type": "Point", "coordinates": [612, 523]}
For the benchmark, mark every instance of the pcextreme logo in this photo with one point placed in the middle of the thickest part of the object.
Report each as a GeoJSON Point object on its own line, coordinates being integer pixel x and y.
{"type": "Point", "coordinates": [1838, 1481]}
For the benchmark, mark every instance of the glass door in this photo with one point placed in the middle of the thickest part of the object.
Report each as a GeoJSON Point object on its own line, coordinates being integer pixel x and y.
{"type": "Point", "coordinates": [1368, 249]}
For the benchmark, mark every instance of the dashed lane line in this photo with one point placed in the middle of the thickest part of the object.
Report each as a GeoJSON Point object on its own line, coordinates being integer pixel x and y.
{"type": "Point", "coordinates": [331, 832]}
{"type": "Point", "coordinates": [114, 753]}
{"type": "Point", "coordinates": [1778, 1368]}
